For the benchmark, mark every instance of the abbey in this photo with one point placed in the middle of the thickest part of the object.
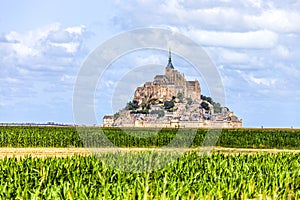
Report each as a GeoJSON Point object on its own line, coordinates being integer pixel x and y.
{"type": "Point", "coordinates": [165, 87]}
{"type": "Point", "coordinates": [172, 101]}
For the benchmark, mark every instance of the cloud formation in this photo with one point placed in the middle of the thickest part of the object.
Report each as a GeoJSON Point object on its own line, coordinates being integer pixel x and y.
{"type": "Point", "coordinates": [40, 64]}
{"type": "Point", "coordinates": [254, 43]}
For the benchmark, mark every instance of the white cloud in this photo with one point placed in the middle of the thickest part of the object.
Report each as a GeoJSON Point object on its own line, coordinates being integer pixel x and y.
{"type": "Point", "coordinates": [150, 59]}
{"type": "Point", "coordinates": [20, 50]}
{"type": "Point", "coordinates": [109, 84]}
{"type": "Point", "coordinates": [231, 56]}
{"type": "Point", "coordinates": [288, 70]}
{"type": "Point", "coordinates": [262, 81]}
{"type": "Point", "coordinates": [37, 47]}
{"type": "Point", "coordinates": [204, 16]}
{"type": "Point", "coordinates": [282, 51]}
{"type": "Point", "coordinates": [231, 16]}
{"type": "Point", "coordinates": [254, 3]}
{"type": "Point", "coordinates": [34, 61]}
{"type": "Point", "coordinates": [10, 80]}
{"type": "Point", "coordinates": [276, 20]}
{"type": "Point", "coordinates": [68, 78]}
{"type": "Point", "coordinates": [76, 29]}
{"type": "Point", "coordinates": [70, 47]}
{"type": "Point", "coordinates": [253, 39]}
{"type": "Point", "coordinates": [234, 57]}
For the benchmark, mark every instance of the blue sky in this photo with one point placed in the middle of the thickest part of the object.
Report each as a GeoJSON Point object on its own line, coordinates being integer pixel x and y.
{"type": "Point", "coordinates": [254, 44]}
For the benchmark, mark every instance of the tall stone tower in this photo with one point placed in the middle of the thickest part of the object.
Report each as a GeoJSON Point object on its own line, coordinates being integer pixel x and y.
{"type": "Point", "coordinates": [168, 86]}
{"type": "Point", "coordinates": [169, 68]}
{"type": "Point", "coordinates": [173, 75]}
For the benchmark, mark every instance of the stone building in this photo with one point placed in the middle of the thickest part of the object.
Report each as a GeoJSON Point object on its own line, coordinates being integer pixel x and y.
{"type": "Point", "coordinates": [108, 120]}
{"type": "Point", "coordinates": [166, 86]}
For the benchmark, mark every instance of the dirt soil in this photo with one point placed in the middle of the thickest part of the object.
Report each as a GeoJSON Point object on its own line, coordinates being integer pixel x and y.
{"type": "Point", "coordinates": [64, 152]}
{"type": "Point", "coordinates": [41, 152]}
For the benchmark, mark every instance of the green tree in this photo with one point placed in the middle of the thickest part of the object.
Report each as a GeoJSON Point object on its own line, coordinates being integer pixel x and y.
{"type": "Point", "coordinates": [208, 99]}
{"type": "Point", "coordinates": [116, 115]}
{"type": "Point", "coordinates": [161, 113]}
{"type": "Point", "coordinates": [217, 107]}
{"type": "Point", "coordinates": [140, 112]}
{"type": "Point", "coordinates": [189, 101]}
{"type": "Point", "coordinates": [180, 97]}
{"type": "Point", "coordinates": [168, 105]}
{"type": "Point", "coordinates": [205, 105]}
{"type": "Point", "coordinates": [132, 105]}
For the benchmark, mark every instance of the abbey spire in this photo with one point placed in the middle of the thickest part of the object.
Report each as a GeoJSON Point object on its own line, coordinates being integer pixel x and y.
{"type": "Point", "coordinates": [170, 60]}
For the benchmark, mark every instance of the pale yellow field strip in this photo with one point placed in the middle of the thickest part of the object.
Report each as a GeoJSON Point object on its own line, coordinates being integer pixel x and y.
{"type": "Point", "coordinates": [42, 152]}
{"type": "Point", "coordinates": [64, 152]}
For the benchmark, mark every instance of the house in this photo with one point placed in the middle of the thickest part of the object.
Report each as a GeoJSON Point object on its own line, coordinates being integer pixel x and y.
{"type": "Point", "coordinates": [108, 120]}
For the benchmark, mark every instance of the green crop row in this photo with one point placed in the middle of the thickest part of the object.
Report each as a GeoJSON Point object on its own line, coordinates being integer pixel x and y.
{"type": "Point", "coordinates": [11, 136]}
{"type": "Point", "coordinates": [99, 137]}
{"type": "Point", "coordinates": [217, 176]}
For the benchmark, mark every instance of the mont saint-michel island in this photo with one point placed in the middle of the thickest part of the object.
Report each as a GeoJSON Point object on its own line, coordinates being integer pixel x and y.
{"type": "Point", "coordinates": [171, 101]}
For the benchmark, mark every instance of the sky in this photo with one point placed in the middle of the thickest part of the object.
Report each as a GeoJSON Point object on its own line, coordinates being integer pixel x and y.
{"type": "Point", "coordinates": [254, 44]}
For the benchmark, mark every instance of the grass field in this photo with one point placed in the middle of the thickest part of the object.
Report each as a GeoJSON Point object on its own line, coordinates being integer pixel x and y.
{"type": "Point", "coordinates": [245, 164]}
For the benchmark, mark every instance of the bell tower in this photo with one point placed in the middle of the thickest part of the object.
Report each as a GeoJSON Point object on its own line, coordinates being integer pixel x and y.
{"type": "Point", "coordinates": [170, 65]}
{"type": "Point", "coordinates": [170, 69]}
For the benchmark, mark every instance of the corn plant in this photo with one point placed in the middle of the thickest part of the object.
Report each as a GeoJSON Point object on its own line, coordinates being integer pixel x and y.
{"type": "Point", "coordinates": [215, 176]}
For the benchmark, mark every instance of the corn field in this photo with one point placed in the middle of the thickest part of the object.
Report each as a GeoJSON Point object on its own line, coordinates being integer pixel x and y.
{"type": "Point", "coordinates": [215, 176]}
{"type": "Point", "coordinates": [69, 137]}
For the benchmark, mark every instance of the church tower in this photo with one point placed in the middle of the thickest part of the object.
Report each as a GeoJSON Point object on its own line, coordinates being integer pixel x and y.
{"type": "Point", "coordinates": [170, 65]}
{"type": "Point", "coordinates": [170, 69]}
